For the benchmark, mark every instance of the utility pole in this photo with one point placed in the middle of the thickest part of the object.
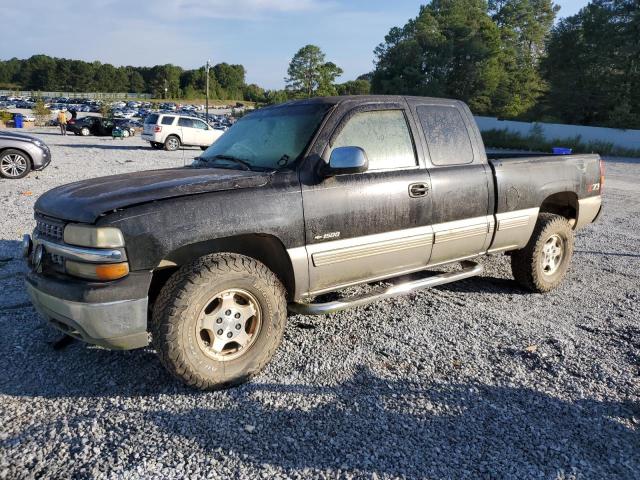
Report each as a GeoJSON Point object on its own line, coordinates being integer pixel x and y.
{"type": "Point", "coordinates": [208, 66]}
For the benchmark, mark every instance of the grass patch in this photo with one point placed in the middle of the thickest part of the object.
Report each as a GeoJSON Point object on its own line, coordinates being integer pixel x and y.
{"type": "Point", "coordinates": [503, 138]}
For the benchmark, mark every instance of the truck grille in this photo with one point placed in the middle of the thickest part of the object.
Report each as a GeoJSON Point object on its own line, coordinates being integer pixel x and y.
{"type": "Point", "coordinates": [49, 230]}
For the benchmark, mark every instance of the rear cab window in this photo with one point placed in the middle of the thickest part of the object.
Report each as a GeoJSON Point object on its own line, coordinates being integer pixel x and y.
{"type": "Point", "coordinates": [446, 134]}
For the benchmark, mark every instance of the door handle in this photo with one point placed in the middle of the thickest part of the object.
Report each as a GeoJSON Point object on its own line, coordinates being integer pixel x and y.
{"type": "Point", "coordinates": [418, 190]}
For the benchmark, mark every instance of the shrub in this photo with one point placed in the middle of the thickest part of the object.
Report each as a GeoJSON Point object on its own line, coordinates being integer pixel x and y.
{"type": "Point", "coordinates": [533, 142]}
{"type": "Point", "coordinates": [42, 113]}
{"type": "Point", "coordinates": [5, 116]}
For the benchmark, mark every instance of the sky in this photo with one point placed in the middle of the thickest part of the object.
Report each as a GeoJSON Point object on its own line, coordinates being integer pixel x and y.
{"type": "Point", "coordinates": [262, 35]}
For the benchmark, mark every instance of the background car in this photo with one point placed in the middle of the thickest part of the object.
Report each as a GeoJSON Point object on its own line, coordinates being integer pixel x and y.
{"type": "Point", "coordinates": [19, 154]}
{"type": "Point", "coordinates": [91, 126]}
{"type": "Point", "coordinates": [171, 131]}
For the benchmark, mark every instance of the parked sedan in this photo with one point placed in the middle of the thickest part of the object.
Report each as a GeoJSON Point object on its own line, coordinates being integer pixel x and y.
{"type": "Point", "coordinates": [19, 154]}
{"type": "Point", "coordinates": [91, 126]}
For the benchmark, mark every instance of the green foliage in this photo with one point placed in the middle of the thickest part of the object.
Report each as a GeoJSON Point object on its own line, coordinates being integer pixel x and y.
{"type": "Point", "coordinates": [5, 116]}
{"type": "Point", "coordinates": [42, 113]}
{"type": "Point", "coordinates": [44, 73]}
{"type": "Point", "coordinates": [524, 28]}
{"type": "Point", "coordinates": [354, 87]}
{"type": "Point", "coordinates": [593, 66]}
{"type": "Point", "coordinates": [274, 97]}
{"type": "Point", "coordinates": [535, 142]}
{"type": "Point", "coordinates": [451, 49]}
{"type": "Point", "coordinates": [309, 75]}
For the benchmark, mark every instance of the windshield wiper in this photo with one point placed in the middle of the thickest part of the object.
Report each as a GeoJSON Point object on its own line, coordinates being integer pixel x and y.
{"type": "Point", "coordinates": [238, 161]}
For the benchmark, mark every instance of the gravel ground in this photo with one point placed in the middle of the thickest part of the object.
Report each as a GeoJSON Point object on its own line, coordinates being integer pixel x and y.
{"type": "Point", "coordinates": [477, 379]}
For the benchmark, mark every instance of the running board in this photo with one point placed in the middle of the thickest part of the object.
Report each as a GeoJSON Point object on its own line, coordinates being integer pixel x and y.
{"type": "Point", "coordinates": [469, 269]}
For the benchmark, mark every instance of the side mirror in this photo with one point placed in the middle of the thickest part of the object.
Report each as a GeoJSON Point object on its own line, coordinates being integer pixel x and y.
{"type": "Point", "coordinates": [345, 160]}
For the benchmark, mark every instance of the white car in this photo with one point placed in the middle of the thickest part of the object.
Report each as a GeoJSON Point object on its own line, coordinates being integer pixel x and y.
{"type": "Point", "coordinates": [170, 131]}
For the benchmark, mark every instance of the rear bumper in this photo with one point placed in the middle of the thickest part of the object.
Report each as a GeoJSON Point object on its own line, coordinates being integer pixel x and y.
{"type": "Point", "coordinates": [120, 324]}
{"type": "Point", "coordinates": [589, 210]}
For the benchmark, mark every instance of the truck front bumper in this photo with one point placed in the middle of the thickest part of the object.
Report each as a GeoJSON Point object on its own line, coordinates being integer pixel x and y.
{"type": "Point", "coordinates": [115, 324]}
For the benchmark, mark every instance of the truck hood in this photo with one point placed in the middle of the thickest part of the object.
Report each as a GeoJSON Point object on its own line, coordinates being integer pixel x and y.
{"type": "Point", "coordinates": [86, 200]}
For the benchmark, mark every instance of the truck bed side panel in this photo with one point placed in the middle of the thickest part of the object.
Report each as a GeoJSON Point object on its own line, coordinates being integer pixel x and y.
{"type": "Point", "coordinates": [523, 184]}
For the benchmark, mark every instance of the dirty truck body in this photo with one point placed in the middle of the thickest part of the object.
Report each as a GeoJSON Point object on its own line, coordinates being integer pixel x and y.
{"type": "Point", "coordinates": [295, 201]}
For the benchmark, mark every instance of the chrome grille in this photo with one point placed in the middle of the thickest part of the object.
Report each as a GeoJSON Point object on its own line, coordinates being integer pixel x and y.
{"type": "Point", "coordinates": [49, 230]}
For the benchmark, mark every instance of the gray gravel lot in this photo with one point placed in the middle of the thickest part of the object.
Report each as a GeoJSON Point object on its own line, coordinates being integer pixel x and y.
{"type": "Point", "coordinates": [477, 379]}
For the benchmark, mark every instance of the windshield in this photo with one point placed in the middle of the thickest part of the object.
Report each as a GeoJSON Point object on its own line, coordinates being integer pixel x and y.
{"type": "Point", "coordinates": [269, 139]}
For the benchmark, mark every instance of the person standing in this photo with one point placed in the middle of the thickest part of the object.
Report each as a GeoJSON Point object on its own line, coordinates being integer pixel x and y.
{"type": "Point", "coordinates": [62, 121]}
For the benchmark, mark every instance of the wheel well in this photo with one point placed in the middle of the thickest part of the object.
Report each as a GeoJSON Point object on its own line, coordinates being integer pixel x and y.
{"type": "Point", "coordinates": [264, 248]}
{"type": "Point", "coordinates": [562, 203]}
{"type": "Point", "coordinates": [25, 153]}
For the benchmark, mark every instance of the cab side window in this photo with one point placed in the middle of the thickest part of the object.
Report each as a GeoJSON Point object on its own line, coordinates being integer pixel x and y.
{"type": "Point", "coordinates": [168, 120]}
{"type": "Point", "coordinates": [383, 135]}
{"type": "Point", "coordinates": [446, 134]}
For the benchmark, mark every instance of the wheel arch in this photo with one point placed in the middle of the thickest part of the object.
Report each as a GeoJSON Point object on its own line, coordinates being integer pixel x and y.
{"type": "Point", "coordinates": [265, 248]}
{"type": "Point", "coordinates": [562, 203]}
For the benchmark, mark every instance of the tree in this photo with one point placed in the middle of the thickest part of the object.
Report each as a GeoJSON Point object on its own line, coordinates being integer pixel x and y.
{"type": "Point", "coordinates": [309, 75]}
{"type": "Point", "coordinates": [524, 28]}
{"type": "Point", "coordinates": [231, 80]}
{"type": "Point", "coordinates": [593, 66]}
{"type": "Point", "coordinates": [354, 87]}
{"type": "Point", "coordinates": [451, 49]}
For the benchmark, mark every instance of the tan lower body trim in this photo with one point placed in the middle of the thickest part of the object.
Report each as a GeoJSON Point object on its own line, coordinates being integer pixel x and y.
{"type": "Point", "coordinates": [588, 209]}
{"type": "Point", "coordinates": [513, 229]}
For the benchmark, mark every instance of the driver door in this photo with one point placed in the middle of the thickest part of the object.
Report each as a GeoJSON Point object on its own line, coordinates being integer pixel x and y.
{"type": "Point", "coordinates": [376, 224]}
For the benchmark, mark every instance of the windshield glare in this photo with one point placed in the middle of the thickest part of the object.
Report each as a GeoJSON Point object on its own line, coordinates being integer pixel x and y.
{"type": "Point", "coordinates": [268, 139]}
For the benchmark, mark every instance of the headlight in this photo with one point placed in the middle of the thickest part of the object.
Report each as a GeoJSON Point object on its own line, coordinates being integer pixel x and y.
{"type": "Point", "coordinates": [87, 236]}
{"type": "Point", "coordinates": [92, 271]}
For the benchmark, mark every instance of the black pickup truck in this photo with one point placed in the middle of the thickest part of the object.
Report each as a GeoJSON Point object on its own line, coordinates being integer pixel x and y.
{"type": "Point", "coordinates": [295, 201]}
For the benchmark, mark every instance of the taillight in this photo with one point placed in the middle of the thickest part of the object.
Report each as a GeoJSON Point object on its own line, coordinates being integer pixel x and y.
{"type": "Point", "coordinates": [601, 175]}
{"type": "Point", "coordinates": [157, 128]}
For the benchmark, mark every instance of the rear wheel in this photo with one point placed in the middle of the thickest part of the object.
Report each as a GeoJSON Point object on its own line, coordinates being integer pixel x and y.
{"type": "Point", "coordinates": [14, 164]}
{"type": "Point", "coordinates": [172, 143]}
{"type": "Point", "coordinates": [543, 263]}
{"type": "Point", "coordinates": [218, 321]}
{"type": "Point", "coordinates": [125, 133]}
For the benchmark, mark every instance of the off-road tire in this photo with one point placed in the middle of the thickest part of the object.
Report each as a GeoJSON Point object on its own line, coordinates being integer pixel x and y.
{"type": "Point", "coordinates": [185, 294]}
{"type": "Point", "coordinates": [526, 264]}
{"type": "Point", "coordinates": [172, 143]}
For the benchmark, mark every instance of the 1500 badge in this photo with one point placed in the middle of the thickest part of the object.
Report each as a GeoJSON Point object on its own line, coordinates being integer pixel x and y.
{"type": "Point", "coordinates": [327, 236]}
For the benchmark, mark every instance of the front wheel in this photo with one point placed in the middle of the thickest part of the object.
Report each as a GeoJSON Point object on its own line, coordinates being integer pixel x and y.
{"type": "Point", "coordinates": [218, 321]}
{"type": "Point", "coordinates": [84, 131]}
{"type": "Point", "coordinates": [14, 164]}
{"type": "Point", "coordinates": [543, 263]}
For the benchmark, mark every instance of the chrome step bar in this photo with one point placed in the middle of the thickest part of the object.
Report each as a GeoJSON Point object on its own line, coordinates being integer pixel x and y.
{"type": "Point", "coordinates": [469, 269]}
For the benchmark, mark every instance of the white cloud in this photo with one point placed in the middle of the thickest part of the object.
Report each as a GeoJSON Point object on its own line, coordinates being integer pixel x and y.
{"type": "Point", "coordinates": [236, 10]}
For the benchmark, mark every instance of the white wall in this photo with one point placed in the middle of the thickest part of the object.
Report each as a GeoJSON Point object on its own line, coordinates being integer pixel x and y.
{"type": "Point", "coordinates": [618, 137]}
